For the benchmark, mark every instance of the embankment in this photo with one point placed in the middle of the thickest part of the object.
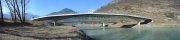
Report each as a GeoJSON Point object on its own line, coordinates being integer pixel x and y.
{"type": "Point", "coordinates": [44, 33]}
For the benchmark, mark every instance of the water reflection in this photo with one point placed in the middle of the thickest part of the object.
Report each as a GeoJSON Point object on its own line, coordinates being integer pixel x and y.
{"type": "Point", "coordinates": [135, 34]}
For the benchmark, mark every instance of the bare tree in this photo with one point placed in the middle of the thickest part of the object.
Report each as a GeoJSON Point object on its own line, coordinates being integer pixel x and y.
{"type": "Point", "coordinates": [23, 8]}
{"type": "Point", "coordinates": [17, 10]}
{"type": "Point", "coordinates": [1, 12]}
{"type": "Point", "coordinates": [14, 9]}
{"type": "Point", "coordinates": [10, 9]}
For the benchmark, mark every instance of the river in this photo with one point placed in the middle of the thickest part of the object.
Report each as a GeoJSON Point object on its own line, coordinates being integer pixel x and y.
{"type": "Point", "coordinates": [150, 33]}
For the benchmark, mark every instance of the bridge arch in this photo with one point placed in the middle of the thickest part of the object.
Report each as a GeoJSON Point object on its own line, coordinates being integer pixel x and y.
{"type": "Point", "coordinates": [66, 16]}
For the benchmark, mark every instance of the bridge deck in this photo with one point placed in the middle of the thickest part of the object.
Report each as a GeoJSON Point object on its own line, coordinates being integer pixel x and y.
{"type": "Point", "coordinates": [68, 15]}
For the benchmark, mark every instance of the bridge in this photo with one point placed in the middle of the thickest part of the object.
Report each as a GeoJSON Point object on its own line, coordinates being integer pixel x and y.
{"type": "Point", "coordinates": [92, 17]}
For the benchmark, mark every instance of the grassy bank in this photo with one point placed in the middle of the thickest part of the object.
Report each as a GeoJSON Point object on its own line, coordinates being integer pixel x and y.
{"type": "Point", "coordinates": [33, 33]}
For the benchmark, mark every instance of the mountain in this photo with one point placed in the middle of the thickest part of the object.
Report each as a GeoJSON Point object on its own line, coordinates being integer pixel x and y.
{"type": "Point", "coordinates": [28, 16]}
{"type": "Point", "coordinates": [63, 11]}
{"type": "Point", "coordinates": [7, 16]}
{"type": "Point", "coordinates": [159, 10]}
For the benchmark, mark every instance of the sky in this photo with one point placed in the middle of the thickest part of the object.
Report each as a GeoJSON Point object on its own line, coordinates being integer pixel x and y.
{"type": "Point", "coordinates": [44, 7]}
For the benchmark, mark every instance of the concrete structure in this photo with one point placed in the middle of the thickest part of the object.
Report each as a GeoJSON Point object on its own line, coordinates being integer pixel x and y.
{"type": "Point", "coordinates": [92, 18]}
{"type": "Point", "coordinates": [177, 16]}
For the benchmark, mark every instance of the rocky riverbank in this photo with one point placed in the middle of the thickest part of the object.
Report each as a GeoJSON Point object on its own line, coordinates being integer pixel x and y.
{"type": "Point", "coordinates": [158, 25]}
{"type": "Point", "coordinates": [42, 33]}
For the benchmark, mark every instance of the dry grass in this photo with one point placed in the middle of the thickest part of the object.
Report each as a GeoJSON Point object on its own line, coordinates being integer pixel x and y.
{"type": "Point", "coordinates": [58, 32]}
{"type": "Point", "coordinates": [158, 9]}
{"type": "Point", "coordinates": [12, 37]}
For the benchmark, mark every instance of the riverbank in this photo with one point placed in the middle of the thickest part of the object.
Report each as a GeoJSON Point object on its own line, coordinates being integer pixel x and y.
{"type": "Point", "coordinates": [169, 25]}
{"type": "Point", "coordinates": [44, 33]}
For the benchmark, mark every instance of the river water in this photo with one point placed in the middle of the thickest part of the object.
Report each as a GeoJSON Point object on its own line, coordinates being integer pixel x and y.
{"type": "Point", "coordinates": [154, 33]}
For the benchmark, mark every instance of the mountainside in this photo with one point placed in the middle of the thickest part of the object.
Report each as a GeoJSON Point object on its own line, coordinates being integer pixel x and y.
{"type": "Point", "coordinates": [7, 16]}
{"type": "Point", "coordinates": [165, 10]}
{"type": "Point", "coordinates": [63, 11]}
{"type": "Point", "coordinates": [28, 16]}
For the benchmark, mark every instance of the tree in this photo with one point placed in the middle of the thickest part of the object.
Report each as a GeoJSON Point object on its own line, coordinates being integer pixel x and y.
{"type": "Point", "coordinates": [17, 9]}
{"type": "Point", "coordinates": [13, 10]}
{"type": "Point", "coordinates": [23, 7]}
{"type": "Point", "coordinates": [1, 12]}
{"type": "Point", "coordinates": [10, 9]}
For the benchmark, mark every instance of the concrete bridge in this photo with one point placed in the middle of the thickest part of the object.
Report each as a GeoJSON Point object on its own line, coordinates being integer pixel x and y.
{"type": "Point", "coordinates": [93, 17]}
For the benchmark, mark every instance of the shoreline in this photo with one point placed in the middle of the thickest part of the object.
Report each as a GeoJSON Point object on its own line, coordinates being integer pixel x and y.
{"type": "Point", "coordinates": [59, 32]}
{"type": "Point", "coordinates": [35, 33]}
{"type": "Point", "coordinates": [158, 25]}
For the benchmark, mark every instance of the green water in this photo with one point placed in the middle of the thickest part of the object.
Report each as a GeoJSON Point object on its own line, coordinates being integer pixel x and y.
{"type": "Point", "coordinates": [172, 33]}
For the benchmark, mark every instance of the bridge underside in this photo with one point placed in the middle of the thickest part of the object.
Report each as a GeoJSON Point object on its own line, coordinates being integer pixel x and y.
{"type": "Point", "coordinates": [93, 20]}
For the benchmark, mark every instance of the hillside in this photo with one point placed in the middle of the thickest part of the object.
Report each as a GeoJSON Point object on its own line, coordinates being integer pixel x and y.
{"type": "Point", "coordinates": [28, 16]}
{"type": "Point", "coordinates": [159, 10]}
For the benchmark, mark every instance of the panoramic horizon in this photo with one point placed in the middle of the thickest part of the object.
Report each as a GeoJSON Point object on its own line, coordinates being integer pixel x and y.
{"type": "Point", "coordinates": [90, 20]}
{"type": "Point", "coordinates": [41, 7]}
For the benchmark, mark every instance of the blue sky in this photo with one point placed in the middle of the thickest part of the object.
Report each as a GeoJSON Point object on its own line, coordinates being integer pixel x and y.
{"type": "Point", "coordinates": [44, 7]}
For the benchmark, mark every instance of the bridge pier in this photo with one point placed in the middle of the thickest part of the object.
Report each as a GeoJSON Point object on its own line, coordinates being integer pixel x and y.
{"type": "Point", "coordinates": [54, 22]}
{"type": "Point", "coordinates": [139, 23]}
{"type": "Point", "coordinates": [103, 25]}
